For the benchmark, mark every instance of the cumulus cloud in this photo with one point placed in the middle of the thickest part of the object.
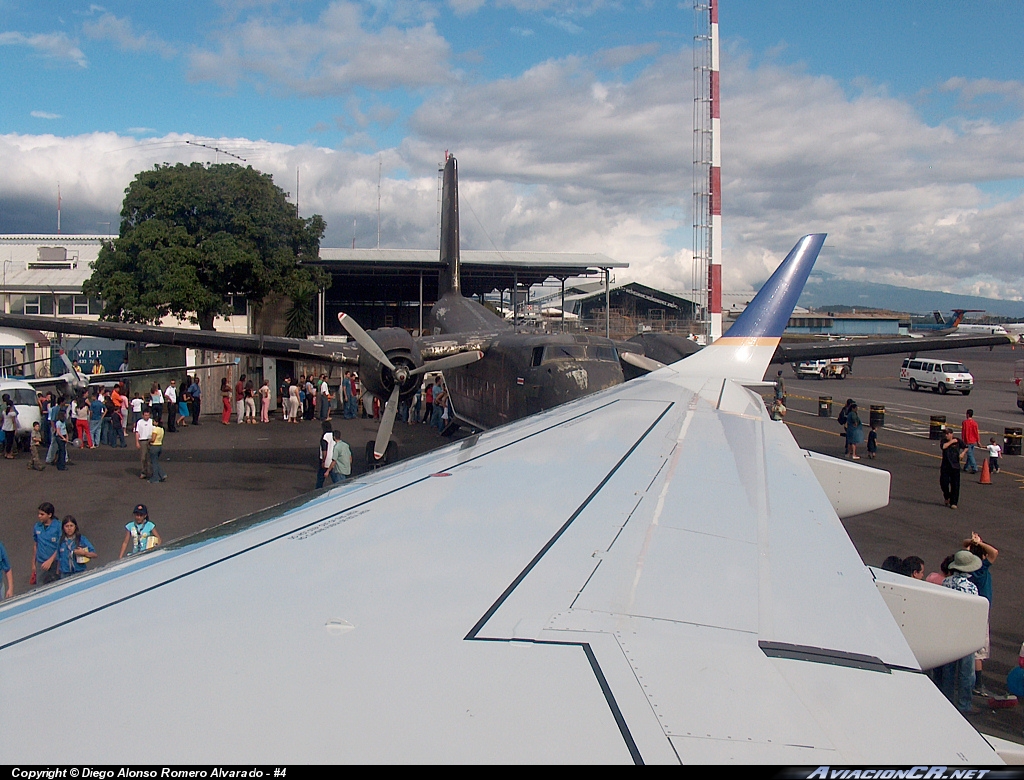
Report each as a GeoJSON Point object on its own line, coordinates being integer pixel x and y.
{"type": "Point", "coordinates": [333, 55]}
{"type": "Point", "coordinates": [55, 46]}
{"type": "Point", "coordinates": [562, 157]}
{"type": "Point", "coordinates": [121, 32]}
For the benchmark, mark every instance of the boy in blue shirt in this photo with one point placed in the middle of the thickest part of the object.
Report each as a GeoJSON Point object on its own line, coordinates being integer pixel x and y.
{"type": "Point", "coordinates": [45, 537]}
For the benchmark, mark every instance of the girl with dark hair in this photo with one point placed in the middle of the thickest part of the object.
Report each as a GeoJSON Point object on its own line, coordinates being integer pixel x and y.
{"type": "Point", "coordinates": [73, 551]}
{"type": "Point", "coordinates": [10, 427]}
{"type": "Point", "coordinates": [225, 399]}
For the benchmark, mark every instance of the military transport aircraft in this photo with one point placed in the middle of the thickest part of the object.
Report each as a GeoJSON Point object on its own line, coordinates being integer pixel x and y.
{"type": "Point", "coordinates": [658, 603]}
{"type": "Point", "coordinates": [493, 374]}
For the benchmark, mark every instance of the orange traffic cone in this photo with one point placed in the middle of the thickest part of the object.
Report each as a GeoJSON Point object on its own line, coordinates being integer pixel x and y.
{"type": "Point", "coordinates": [986, 479]}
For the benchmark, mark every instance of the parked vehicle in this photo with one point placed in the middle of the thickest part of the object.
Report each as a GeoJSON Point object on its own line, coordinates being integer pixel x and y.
{"type": "Point", "coordinates": [835, 368]}
{"type": "Point", "coordinates": [938, 376]}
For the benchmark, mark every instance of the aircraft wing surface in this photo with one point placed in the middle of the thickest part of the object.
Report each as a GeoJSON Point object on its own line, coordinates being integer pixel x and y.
{"type": "Point", "coordinates": [648, 574]}
{"type": "Point", "coordinates": [269, 346]}
{"type": "Point", "coordinates": [791, 353]}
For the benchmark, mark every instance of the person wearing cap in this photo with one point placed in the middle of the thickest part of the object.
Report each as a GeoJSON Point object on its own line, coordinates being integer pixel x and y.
{"type": "Point", "coordinates": [949, 471]}
{"type": "Point", "coordinates": [982, 579]}
{"type": "Point", "coordinates": [956, 679]}
{"type": "Point", "coordinates": [141, 533]}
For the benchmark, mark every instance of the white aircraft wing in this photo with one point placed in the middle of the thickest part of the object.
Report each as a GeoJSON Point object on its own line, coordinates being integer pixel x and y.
{"type": "Point", "coordinates": [649, 574]}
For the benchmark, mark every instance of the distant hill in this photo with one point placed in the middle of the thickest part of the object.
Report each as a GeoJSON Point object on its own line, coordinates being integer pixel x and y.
{"type": "Point", "coordinates": [824, 290]}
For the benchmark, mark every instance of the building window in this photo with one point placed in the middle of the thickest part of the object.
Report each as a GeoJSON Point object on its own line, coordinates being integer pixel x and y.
{"type": "Point", "coordinates": [65, 304]}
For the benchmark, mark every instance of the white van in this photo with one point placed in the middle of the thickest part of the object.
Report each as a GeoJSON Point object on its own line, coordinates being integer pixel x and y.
{"type": "Point", "coordinates": [940, 375]}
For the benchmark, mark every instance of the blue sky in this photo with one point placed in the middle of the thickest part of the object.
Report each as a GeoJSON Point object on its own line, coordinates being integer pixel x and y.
{"type": "Point", "coordinates": [893, 126]}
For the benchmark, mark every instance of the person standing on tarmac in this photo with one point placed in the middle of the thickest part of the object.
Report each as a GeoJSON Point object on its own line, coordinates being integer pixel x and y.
{"type": "Point", "coordinates": [949, 471]}
{"type": "Point", "coordinates": [970, 437]}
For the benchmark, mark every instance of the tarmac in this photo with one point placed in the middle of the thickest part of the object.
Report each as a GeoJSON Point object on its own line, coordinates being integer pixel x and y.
{"type": "Point", "coordinates": [219, 472]}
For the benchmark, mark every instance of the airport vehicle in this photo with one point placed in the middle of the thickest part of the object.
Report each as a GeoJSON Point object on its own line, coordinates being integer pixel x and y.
{"type": "Point", "coordinates": [940, 376]}
{"type": "Point", "coordinates": [836, 368]}
{"type": "Point", "coordinates": [419, 614]}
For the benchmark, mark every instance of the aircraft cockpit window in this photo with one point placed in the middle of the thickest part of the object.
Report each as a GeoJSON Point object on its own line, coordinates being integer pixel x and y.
{"type": "Point", "coordinates": [565, 352]}
{"type": "Point", "coordinates": [606, 353]}
{"type": "Point", "coordinates": [538, 356]}
{"type": "Point", "coordinates": [22, 396]}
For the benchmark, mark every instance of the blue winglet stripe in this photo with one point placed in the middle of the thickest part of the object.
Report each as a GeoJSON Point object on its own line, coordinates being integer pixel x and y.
{"type": "Point", "coordinates": [769, 312]}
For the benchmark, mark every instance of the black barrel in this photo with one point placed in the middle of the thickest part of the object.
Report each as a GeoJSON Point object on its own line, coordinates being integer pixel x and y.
{"type": "Point", "coordinates": [824, 406]}
{"type": "Point", "coordinates": [1011, 441]}
{"type": "Point", "coordinates": [935, 426]}
{"type": "Point", "coordinates": [878, 416]}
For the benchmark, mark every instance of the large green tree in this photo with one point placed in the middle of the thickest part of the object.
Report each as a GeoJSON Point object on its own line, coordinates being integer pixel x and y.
{"type": "Point", "coordinates": [191, 235]}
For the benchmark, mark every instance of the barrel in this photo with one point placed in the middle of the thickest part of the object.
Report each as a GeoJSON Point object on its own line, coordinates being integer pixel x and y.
{"type": "Point", "coordinates": [935, 426]}
{"type": "Point", "coordinates": [1011, 441]}
{"type": "Point", "coordinates": [824, 406]}
{"type": "Point", "coordinates": [878, 416]}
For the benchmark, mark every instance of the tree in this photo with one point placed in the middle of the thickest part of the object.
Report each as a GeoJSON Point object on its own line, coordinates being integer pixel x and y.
{"type": "Point", "coordinates": [191, 235]}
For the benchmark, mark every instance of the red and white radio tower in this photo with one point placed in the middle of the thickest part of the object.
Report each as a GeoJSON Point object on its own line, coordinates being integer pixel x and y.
{"type": "Point", "coordinates": [707, 170]}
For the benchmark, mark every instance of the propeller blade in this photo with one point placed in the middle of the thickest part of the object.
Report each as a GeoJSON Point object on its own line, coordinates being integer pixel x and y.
{"type": "Point", "coordinates": [387, 423]}
{"type": "Point", "coordinates": [363, 339]}
{"type": "Point", "coordinates": [77, 381]}
{"type": "Point", "coordinates": [452, 361]}
{"type": "Point", "coordinates": [641, 361]}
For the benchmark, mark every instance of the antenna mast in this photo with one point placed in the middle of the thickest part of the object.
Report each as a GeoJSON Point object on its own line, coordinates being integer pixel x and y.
{"type": "Point", "coordinates": [707, 171]}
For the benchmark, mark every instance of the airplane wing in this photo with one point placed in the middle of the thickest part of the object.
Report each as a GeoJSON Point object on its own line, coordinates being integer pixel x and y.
{"type": "Point", "coordinates": [269, 346]}
{"type": "Point", "coordinates": [794, 353]}
{"type": "Point", "coordinates": [112, 376]}
{"type": "Point", "coordinates": [677, 589]}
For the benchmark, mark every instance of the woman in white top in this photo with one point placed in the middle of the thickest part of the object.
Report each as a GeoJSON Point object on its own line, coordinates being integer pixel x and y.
{"type": "Point", "coordinates": [293, 404]}
{"type": "Point", "coordinates": [156, 403]}
{"type": "Point", "coordinates": [10, 427]}
{"type": "Point", "coordinates": [265, 401]}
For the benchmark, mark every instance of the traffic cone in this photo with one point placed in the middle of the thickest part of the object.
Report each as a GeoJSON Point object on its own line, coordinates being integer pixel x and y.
{"type": "Point", "coordinates": [986, 479]}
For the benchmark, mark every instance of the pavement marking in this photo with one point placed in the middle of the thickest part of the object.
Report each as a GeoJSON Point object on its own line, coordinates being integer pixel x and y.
{"type": "Point", "coordinates": [1019, 477]}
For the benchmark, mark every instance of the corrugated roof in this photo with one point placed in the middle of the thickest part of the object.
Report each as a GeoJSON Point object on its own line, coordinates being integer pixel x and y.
{"type": "Point", "coordinates": [470, 257]}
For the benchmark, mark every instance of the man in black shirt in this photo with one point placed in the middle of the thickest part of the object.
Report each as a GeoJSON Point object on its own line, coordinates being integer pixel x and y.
{"type": "Point", "coordinates": [949, 472]}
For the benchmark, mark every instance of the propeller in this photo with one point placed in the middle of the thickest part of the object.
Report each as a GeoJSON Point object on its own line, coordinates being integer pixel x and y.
{"type": "Point", "coordinates": [76, 379]}
{"type": "Point", "coordinates": [400, 374]}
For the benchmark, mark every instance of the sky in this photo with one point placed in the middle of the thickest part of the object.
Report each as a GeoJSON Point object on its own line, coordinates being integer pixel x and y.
{"type": "Point", "coordinates": [894, 127]}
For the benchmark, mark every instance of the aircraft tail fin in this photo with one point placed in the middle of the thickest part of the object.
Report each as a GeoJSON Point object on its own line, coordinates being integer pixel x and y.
{"type": "Point", "coordinates": [450, 260]}
{"type": "Point", "coordinates": [747, 348]}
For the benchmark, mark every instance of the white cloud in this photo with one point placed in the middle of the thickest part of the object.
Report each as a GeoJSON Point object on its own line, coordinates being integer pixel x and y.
{"type": "Point", "coordinates": [55, 46]}
{"type": "Point", "coordinates": [45, 115]}
{"type": "Point", "coordinates": [338, 52]}
{"type": "Point", "coordinates": [560, 158]}
{"type": "Point", "coordinates": [120, 31]}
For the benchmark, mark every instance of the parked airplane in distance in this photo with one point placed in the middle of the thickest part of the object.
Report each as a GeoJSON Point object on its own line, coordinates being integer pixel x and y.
{"type": "Point", "coordinates": [681, 590]}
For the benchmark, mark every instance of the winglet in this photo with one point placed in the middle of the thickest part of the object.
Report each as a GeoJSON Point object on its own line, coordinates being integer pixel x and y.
{"type": "Point", "coordinates": [746, 349]}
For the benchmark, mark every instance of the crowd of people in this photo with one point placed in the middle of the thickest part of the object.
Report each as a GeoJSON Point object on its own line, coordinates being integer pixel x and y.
{"type": "Point", "coordinates": [60, 549]}
{"type": "Point", "coordinates": [967, 570]}
{"type": "Point", "coordinates": [101, 416]}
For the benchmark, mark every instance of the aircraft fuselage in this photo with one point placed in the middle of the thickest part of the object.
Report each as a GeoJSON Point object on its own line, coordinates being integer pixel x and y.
{"type": "Point", "coordinates": [521, 373]}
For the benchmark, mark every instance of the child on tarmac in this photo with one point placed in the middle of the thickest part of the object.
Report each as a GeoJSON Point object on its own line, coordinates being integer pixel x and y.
{"type": "Point", "coordinates": [994, 451]}
{"type": "Point", "coordinates": [34, 445]}
{"type": "Point", "coordinates": [873, 441]}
